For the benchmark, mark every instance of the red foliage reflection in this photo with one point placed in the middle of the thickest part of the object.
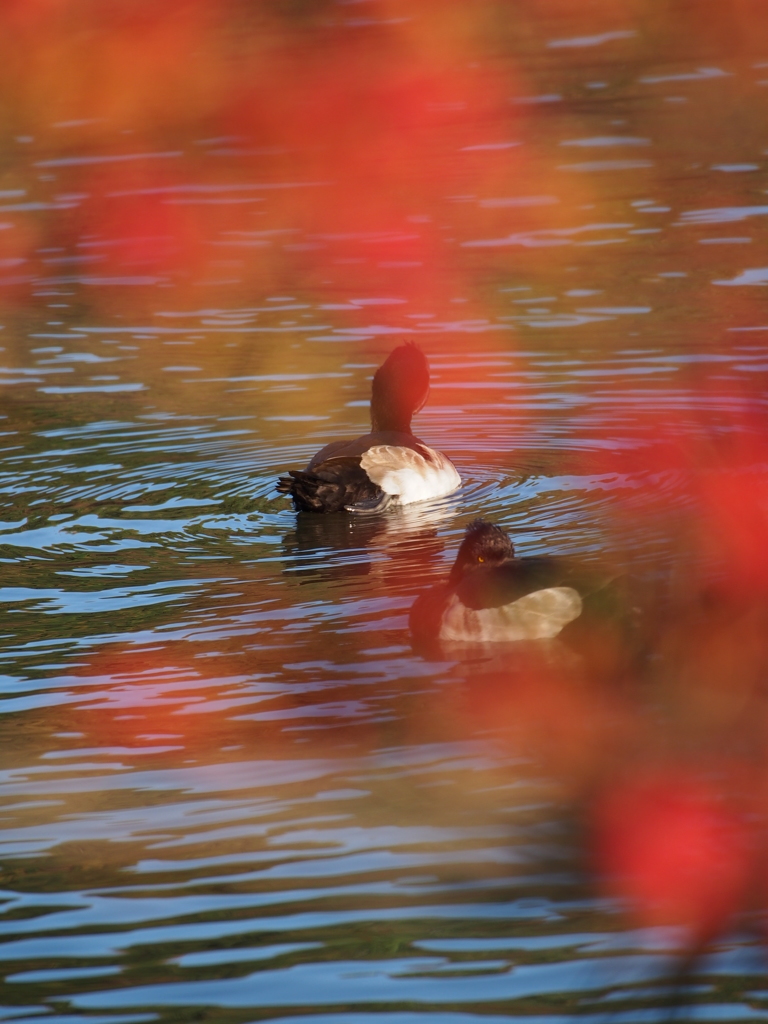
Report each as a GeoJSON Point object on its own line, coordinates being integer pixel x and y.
{"type": "Point", "coordinates": [148, 697]}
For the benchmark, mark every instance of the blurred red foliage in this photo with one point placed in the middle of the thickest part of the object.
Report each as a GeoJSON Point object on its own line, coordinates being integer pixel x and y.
{"type": "Point", "coordinates": [340, 148]}
{"type": "Point", "coordinates": [356, 136]}
{"type": "Point", "coordinates": [668, 843]}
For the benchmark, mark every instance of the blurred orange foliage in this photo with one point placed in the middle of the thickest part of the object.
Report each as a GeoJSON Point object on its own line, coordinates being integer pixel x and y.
{"type": "Point", "coordinates": [367, 132]}
{"type": "Point", "coordinates": [352, 135]}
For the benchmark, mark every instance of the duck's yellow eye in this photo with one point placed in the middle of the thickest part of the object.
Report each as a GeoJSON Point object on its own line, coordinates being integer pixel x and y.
{"type": "Point", "coordinates": [480, 559]}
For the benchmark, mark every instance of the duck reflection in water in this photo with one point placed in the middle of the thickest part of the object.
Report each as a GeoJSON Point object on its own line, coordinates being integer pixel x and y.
{"type": "Point", "coordinates": [398, 546]}
{"type": "Point", "coordinates": [388, 465]}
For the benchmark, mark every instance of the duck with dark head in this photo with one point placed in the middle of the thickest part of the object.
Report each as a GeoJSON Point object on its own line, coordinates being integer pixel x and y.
{"type": "Point", "coordinates": [491, 594]}
{"type": "Point", "coordinates": [388, 465]}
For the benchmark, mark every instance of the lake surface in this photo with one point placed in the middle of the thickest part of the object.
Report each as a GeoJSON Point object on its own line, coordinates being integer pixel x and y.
{"type": "Point", "coordinates": [231, 789]}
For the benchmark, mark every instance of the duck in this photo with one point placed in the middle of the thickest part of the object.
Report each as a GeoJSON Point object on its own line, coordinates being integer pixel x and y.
{"type": "Point", "coordinates": [493, 595]}
{"type": "Point", "coordinates": [389, 465]}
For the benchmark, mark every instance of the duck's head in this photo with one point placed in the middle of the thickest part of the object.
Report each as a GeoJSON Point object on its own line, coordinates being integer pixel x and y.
{"type": "Point", "coordinates": [484, 545]}
{"type": "Point", "coordinates": [400, 388]}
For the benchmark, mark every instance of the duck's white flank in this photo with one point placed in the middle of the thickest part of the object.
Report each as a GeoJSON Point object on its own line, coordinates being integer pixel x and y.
{"type": "Point", "coordinates": [537, 616]}
{"type": "Point", "coordinates": [407, 475]}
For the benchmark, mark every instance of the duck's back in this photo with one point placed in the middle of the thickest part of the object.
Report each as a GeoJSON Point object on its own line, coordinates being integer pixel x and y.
{"type": "Point", "coordinates": [369, 472]}
{"type": "Point", "coordinates": [356, 448]}
{"type": "Point", "coordinates": [497, 585]}
{"type": "Point", "coordinates": [412, 473]}
{"type": "Point", "coordinates": [525, 599]}
{"type": "Point", "coordinates": [540, 615]}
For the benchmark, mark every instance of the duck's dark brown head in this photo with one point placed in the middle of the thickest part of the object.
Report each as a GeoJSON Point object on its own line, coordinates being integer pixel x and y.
{"type": "Point", "coordinates": [400, 388]}
{"type": "Point", "coordinates": [484, 544]}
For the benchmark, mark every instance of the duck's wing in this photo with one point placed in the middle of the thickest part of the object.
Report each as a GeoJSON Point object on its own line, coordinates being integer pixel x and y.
{"type": "Point", "coordinates": [525, 599]}
{"type": "Point", "coordinates": [410, 474]}
{"type": "Point", "coordinates": [539, 615]}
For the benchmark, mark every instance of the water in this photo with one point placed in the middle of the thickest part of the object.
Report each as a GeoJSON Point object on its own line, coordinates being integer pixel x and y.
{"type": "Point", "coordinates": [232, 791]}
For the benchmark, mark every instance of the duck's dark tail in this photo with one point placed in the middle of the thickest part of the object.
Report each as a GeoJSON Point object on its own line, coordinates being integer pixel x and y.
{"type": "Point", "coordinates": [333, 486]}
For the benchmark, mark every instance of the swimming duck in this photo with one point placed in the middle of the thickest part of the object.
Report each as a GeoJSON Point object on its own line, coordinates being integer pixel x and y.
{"type": "Point", "coordinates": [387, 466]}
{"type": "Point", "coordinates": [492, 595]}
